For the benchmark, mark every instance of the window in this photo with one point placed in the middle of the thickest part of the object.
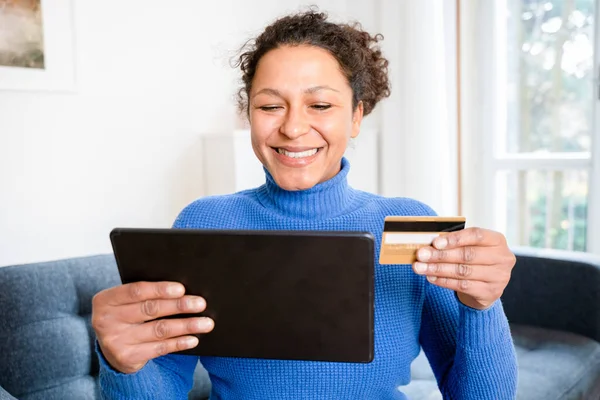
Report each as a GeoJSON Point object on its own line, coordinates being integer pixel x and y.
{"type": "Point", "coordinates": [541, 152]}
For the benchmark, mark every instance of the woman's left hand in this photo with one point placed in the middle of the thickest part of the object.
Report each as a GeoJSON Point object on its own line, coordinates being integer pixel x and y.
{"type": "Point", "coordinates": [474, 262]}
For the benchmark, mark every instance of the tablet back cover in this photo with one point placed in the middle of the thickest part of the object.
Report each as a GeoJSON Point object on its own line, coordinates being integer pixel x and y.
{"type": "Point", "coordinates": [294, 295]}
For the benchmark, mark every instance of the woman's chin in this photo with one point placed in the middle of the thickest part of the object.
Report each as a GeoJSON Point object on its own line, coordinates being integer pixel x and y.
{"type": "Point", "coordinates": [291, 183]}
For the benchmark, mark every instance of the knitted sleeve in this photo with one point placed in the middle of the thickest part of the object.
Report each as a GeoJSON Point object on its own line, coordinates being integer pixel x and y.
{"type": "Point", "coordinates": [470, 351]}
{"type": "Point", "coordinates": [167, 377]}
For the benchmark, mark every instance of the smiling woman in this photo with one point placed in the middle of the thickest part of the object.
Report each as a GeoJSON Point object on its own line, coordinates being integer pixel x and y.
{"type": "Point", "coordinates": [307, 86]}
{"type": "Point", "coordinates": [308, 83]}
{"type": "Point", "coordinates": [299, 127]}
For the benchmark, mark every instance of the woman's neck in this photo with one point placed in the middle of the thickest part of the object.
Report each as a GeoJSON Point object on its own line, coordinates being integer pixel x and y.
{"type": "Point", "coordinates": [324, 200]}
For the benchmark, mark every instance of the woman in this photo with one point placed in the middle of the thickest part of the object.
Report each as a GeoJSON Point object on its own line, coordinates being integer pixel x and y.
{"type": "Point", "coordinates": [307, 85]}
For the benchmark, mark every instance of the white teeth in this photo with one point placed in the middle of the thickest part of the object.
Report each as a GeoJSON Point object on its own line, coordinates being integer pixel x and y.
{"type": "Point", "coordinates": [300, 154]}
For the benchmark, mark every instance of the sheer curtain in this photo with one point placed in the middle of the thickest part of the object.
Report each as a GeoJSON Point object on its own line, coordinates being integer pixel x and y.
{"type": "Point", "coordinates": [418, 122]}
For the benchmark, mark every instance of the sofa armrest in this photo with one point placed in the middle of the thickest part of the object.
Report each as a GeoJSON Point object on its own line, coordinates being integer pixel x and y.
{"type": "Point", "coordinates": [555, 289]}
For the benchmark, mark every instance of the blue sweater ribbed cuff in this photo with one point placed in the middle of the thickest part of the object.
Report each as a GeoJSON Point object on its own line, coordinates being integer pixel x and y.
{"type": "Point", "coordinates": [144, 383]}
{"type": "Point", "coordinates": [482, 329]}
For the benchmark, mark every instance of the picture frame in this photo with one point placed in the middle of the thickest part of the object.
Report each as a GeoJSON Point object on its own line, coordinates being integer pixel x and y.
{"type": "Point", "coordinates": [58, 72]}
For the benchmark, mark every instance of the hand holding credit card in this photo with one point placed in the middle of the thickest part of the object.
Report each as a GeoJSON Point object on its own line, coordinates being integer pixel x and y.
{"type": "Point", "coordinates": [403, 236]}
{"type": "Point", "coordinates": [474, 262]}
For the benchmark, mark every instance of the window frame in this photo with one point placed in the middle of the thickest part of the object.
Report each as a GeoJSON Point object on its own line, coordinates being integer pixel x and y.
{"type": "Point", "coordinates": [485, 132]}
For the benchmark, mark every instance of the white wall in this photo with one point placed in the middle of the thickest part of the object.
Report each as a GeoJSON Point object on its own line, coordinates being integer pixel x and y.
{"type": "Point", "coordinates": [125, 148]}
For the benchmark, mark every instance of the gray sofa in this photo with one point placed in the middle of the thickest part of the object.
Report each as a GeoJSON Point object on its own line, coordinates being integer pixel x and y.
{"type": "Point", "coordinates": [553, 305]}
{"type": "Point", "coordinates": [46, 341]}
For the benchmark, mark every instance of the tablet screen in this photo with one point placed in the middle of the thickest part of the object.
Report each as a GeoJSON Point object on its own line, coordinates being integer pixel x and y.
{"type": "Point", "coordinates": [273, 294]}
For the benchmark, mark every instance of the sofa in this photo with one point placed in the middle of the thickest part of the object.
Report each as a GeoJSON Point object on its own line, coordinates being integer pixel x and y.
{"type": "Point", "coordinates": [553, 306]}
{"type": "Point", "coordinates": [47, 343]}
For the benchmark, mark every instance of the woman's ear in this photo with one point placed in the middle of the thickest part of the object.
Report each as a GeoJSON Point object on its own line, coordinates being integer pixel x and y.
{"type": "Point", "coordinates": [357, 117]}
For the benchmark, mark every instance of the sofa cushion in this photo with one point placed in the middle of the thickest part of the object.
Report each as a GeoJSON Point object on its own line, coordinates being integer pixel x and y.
{"type": "Point", "coordinates": [553, 365]}
{"type": "Point", "coordinates": [202, 384]}
{"type": "Point", "coordinates": [46, 340]}
{"type": "Point", "coordinates": [423, 385]}
{"type": "Point", "coordinates": [556, 365]}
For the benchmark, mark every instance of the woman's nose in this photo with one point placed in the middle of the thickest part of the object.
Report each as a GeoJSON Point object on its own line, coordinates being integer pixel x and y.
{"type": "Point", "coordinates": [295, 124]}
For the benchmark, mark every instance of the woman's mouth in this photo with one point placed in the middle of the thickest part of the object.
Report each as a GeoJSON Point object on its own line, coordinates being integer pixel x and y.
{"type": "Point", "coordinates": [297, 154]}
{"type": "Point", "coordinates": [296, 157]}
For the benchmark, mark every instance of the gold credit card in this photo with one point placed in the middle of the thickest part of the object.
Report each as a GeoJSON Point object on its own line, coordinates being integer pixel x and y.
{"type": "Point", "coordinates": [403, 236]}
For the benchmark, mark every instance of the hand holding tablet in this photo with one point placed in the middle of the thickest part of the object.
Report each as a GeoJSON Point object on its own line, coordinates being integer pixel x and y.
{"type": "Point", "coordinates": [129, 333]}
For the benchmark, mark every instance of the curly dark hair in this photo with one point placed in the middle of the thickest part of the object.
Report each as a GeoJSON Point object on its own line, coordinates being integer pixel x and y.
{"type": "Point", "coordinates": [356, 51]}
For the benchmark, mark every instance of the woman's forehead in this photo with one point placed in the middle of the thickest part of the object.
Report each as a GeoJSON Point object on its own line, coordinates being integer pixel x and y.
{"type": "Point", "coordinates": [308, 68]}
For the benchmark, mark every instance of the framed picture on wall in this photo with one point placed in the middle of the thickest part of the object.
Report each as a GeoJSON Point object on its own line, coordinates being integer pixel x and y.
{"type": "Point", "coordinates": [37, 45]}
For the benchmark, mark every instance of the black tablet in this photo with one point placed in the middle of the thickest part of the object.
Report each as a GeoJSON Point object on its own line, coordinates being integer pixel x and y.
{"type": "Point", "coordinates": [289, 295]}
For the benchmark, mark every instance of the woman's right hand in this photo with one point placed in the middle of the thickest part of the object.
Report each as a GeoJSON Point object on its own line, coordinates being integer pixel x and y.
{"type": "Point", "coordinates": [128, 334]}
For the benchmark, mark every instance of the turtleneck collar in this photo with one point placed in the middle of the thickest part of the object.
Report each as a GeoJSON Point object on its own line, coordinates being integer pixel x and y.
{"type": "Point", "coordinates": [324, 200]}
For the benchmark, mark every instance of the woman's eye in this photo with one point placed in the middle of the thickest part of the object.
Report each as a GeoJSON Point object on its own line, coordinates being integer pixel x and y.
{"type": "Point", "coordinates": [270, 108]}
{"type": "Point", "coordinates": [321, 107]}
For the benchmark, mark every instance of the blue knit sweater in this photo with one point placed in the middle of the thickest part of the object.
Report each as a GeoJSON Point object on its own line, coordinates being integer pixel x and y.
{"type": "Point", "coordinates": [470, 351]}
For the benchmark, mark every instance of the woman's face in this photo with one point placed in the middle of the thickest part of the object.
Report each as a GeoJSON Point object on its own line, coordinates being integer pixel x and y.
{"type": "Point", "coordinates": [301, 115]}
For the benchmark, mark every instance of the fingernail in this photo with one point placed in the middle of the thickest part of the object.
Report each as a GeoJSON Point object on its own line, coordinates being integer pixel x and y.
{"type": "Point", "coordinates": [441, 243]}
{"type": "Point", "coordinates": [175, 290]}
{"type": "Point", "coordinates": [205, 323]}
{"type": "Point", "coordinates": [424, 254]}
{"type": "Point", "coordinates": [432, 278]}
{"type": "Point", "coordinates": [191, 342]}
{"type": "Point", "coordinates": [197, 304]}
{"type": "Point", "coordinates": [420, 267]}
